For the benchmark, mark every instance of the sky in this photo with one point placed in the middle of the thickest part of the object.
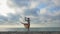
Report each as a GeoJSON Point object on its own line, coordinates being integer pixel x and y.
{"type": "Point", "coordinates": [41, 12]}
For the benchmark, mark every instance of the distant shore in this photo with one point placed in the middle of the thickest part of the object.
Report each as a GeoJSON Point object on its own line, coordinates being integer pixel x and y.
{"type": "Point", "coordinates": [32, 32]}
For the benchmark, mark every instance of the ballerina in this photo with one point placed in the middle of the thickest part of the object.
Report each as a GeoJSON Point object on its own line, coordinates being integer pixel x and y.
{"type": "Point", "coordinates": [27, 25]}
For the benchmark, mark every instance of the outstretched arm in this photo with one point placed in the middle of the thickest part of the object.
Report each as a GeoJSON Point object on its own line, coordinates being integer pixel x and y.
{"type": "Point", "coordinates": [23, 23]}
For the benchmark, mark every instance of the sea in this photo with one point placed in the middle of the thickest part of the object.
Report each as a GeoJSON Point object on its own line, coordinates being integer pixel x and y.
{"type": "Point", "coordinates": [32, 29]}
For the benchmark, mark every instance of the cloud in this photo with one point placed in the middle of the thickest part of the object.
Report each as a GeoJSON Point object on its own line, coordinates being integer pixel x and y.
{"type": "Point", "coordinates": [4, 9]}
{"type": "Point", "coordinates": [31, 12]}
{"type": "Point", "coordinates": [56, 2]}
{"type": "Point", "coordinates": [40, 11]}
{"type": "Point", "coordinates": [43, 11]}
{"type": "Point", "coordinates": [3, 19]}
{"type": "Point", "coordinates": [19, 3]}
{"type": "Point", "coordinates": [43, 7]}
{"type": "Point", "coordinates": [33, 4]}
{"type": "Point", "coordinates": [53, 11]}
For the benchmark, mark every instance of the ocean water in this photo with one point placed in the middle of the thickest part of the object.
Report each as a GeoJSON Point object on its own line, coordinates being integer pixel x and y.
{"type": "Point", "coordinates": [33, 29]}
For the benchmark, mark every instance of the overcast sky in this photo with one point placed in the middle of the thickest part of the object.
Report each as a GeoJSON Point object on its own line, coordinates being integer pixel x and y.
{"type": "Point", "coordinates": [45, 12]}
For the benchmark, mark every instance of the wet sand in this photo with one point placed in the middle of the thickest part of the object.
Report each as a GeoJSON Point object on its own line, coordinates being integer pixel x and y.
{"type": "Point", "coordinates": [42, 32]}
